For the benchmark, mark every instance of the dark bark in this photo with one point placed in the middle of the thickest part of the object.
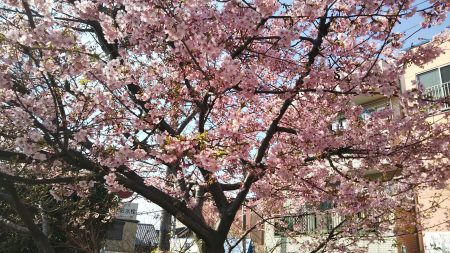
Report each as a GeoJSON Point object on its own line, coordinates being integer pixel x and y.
{"type": "Point", "coordinates": [169, 203]}
{"type": "Point", "coordinates": [212, 247]}
{"type": "Point", "coordinates": [166, 217]}
{"type": "Point", "coordinates": [40, 240]}
{"type": "Point", "coordinates": [45, 222]}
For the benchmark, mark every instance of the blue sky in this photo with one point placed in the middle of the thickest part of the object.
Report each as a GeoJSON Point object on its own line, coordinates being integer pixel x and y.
{"type": "Point", "coordinates": [411, 25]}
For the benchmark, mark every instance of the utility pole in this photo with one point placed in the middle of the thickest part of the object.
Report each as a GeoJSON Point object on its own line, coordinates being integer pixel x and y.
{"type": "Point", "coordinates": [166, 221]}
{"type": "Point", "coordinates": [164, 231]}
{"type": "Point", "coordinates": [244, 227]}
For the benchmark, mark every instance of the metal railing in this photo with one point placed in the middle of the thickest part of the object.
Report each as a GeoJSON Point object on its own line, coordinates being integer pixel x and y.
{"type": "Point", "coordinates": [438, 92]}
{"type": "Point", "coordinates": [311, 222]}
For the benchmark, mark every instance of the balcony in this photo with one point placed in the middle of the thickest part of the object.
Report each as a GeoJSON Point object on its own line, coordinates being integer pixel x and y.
{"type": "Point", "coordinates": [438, 92]}
{"type": "Point", "coordinates": [308, 223]}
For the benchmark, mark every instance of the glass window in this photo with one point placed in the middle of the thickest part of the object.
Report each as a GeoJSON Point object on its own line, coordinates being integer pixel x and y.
{"type": "Point", "coordinates": [445, 74]}
{"type": "Point", "coordinates": [326, 205]}
{"type": "Point", "coordinates": [339, 124]}
{"type": "Point", "coordinates": [429, 79]}
{"type": "Point", "coordinates": [365, 115]}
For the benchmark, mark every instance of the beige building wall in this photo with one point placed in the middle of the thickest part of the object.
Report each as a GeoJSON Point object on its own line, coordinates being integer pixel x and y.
{"type": "Point", "coordinates": [434, 207]}
{"type": "Point", "coordinates": [412, 71]}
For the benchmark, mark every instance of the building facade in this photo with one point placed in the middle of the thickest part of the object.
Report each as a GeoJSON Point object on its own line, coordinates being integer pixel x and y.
{"type": "Point", "coordinates": [433, 206]}
{"type": "Point", "coordinates": [425, 227]}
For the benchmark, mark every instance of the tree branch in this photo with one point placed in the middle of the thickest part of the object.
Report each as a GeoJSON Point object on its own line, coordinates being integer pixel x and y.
{"type": "Point", "coordinates": [230, 187]}
{"type": "Point", "coordinates": [31, 181]}
{"type": "Point", "coordinates": [13, 226]}
{"type": "Point", "coordinates": [167, 202]}
{"type": "Point", "coordinates": [41, 241]}
{"type": "Point", "coordinates": [14, 157]}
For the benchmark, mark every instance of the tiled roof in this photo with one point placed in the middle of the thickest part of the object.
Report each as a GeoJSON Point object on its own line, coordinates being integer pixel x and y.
{"type": "Point", "coordinates": [146, 235]}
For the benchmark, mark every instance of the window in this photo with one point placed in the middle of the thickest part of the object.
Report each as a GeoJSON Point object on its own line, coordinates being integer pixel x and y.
{"type": "Point", "coordinates": [429, 79]}
{"type": "Point", "coordinates": [339, 125]}
{"type": "Point", "coordinates": [375, 106]}
{"type": "Point", "coordinates": [436, 83]}
{"type": "Point", "coordinates": [366, 113]}
{"type": "Point", "coordinates": [445, 74]}
{"type": "Point", "coordinates": [326, 205]}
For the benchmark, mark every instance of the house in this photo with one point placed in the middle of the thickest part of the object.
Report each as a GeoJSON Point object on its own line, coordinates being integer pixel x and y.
{"type": "Point", "coordinates": [405, 236]}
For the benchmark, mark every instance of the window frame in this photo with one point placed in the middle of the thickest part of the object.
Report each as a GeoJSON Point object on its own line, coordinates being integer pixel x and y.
{"type": "Point", "coordinates": [431, 69]}
{"type": "Point", "coordinates": [446, 107]}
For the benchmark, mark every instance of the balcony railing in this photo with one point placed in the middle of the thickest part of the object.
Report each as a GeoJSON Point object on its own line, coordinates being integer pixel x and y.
{"type": "Point", "coordinates": [309, 223]}
{"type": "Point", "coordinates": [438, 92]}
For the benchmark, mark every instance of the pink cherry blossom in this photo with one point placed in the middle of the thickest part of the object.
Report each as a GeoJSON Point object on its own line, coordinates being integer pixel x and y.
{"type": "Point", "coordinates": [202, 106]}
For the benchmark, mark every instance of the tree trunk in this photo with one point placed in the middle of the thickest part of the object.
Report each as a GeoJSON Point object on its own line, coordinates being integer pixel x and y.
{"type": "Point", "coordinates": [208, 248]}
{"type": "Point", "coordinates": [164, 231]}
{"type": "Point", "coordinates": [166, 220]}
{"type": "Point", "coordinates": [204, 247]}
{"type": "Point", "coordinates": [40, 240]}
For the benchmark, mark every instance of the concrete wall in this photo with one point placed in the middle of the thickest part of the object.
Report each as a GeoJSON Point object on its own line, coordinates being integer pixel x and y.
{"type": "Point", "coordinates": [127, 244]}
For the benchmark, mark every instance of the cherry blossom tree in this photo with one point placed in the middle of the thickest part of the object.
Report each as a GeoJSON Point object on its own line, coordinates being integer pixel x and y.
{"type": "Point", "coordinates": [74, 224]}
{"type": "Point", "coordinates": [195, 104]}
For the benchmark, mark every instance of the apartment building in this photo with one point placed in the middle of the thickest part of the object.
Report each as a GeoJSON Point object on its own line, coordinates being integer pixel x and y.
{"type": "Point", "coordinates": [431, 207]}
{"type": "Point", "coordinates": [309, 224]}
